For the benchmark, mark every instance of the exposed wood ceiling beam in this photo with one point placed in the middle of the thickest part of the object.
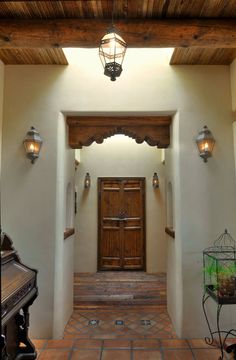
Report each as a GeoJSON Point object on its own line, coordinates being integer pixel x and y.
{"type": "Point", "coordinates": [212, 33]}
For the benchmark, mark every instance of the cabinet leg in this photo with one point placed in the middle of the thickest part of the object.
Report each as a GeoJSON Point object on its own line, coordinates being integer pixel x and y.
{"type": "Point", "coordinates": [27, 352]}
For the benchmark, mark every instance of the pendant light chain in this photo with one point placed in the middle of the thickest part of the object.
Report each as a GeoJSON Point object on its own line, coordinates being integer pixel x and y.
{"type": "Point", "coordinates": [112, 14]}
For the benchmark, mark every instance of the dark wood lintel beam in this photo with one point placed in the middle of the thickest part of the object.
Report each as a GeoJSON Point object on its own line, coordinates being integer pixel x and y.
{"type": "Point", "coordinates": [100, 121]}
{"type": "Point", "coordinates": [86, 33]}
{"type": "Point", "coordinates": [83, 131]}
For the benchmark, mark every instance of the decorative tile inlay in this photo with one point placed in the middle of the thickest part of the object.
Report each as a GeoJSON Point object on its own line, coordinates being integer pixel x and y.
{"type": "Point", "coordinates": [119, 322]}
{"type": "Point", "coordinates": [137, 323]}
{"type": "Point", "coordinates": [146, 322]}
{"type": "Point", "coordinates": [94, 322]}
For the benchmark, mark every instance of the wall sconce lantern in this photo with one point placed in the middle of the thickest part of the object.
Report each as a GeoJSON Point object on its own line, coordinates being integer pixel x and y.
{"type": "Point", "coordinates": [32, 143]}
{"type": "Point", "coordinates": [87, 181]}
{"type": "Point", "coordinates": [155, 181]}
{"type": "Point", "coordinates": [205, 143]}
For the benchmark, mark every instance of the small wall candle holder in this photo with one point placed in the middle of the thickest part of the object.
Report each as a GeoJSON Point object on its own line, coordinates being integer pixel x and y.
{"type": "Point", "coordinates": [87, 181]}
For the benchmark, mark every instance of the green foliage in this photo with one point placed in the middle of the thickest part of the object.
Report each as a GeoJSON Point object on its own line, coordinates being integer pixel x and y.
{"type": "Point", "coordinates": [220, 275]}
{"type": "Point", "coordinates": [220, 268]}
{"type": "Point", "coordinates": [210, 267]}
{"type": "Point", "coordinates": [228, 270]}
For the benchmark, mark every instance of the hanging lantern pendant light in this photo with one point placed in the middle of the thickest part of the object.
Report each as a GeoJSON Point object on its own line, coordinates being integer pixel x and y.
{"type": "Point", "coordinates": [112, 51]}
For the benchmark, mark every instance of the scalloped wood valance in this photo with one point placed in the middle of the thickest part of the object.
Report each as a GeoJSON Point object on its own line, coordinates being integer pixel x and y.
{"type": "Point", "coordinates": [84, 130]}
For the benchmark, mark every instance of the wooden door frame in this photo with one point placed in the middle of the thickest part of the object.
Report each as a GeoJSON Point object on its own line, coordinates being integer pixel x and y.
{"type": "Point", "coordinates": [99, 181]}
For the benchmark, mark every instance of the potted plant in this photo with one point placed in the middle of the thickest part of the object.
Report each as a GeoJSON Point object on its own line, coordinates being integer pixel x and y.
{"type": "Point", "coordinates": [227, 280]}
{"type": "Point", "coordinates": [220, 277]}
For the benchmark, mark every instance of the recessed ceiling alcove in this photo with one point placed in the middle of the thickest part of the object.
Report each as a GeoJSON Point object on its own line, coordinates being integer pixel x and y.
{"type": "Point", "coordinates": [84, 130]}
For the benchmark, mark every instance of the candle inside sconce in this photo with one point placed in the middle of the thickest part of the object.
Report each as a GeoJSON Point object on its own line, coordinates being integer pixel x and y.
{"type": "Point", "coordinates": [205, 143]}
{"type": "Point", "coordinates": [87, 181]}
{"type": "Point", "coordinates": [31, 147]}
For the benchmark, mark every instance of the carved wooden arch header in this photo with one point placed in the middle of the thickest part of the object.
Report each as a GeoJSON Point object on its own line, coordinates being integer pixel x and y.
{"type": "Point", "coordinates": [84, 130]}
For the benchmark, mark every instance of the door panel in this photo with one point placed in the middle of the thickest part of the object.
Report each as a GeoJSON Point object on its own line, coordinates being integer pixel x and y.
{"type": "Point", "coordinates": [111, 206]}
{"type": "Point", "coordinates": [121, 222]}
{"type": "Point", "coordinates": [133, 248]}
{"type": "Point", "coordinates": [111, 249]}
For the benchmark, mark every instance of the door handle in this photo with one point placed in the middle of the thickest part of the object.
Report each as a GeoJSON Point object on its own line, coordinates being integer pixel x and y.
{"type": "Point", "coordinates": [123, 215]}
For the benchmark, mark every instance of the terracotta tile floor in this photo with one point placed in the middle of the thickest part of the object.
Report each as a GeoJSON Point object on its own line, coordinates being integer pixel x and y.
{"type": "Point", "coordinates": [110, 349]}
{"type": "Point", "coordinates": [146, 334]}
{"type": "Point", "coordinates": [136, 323]}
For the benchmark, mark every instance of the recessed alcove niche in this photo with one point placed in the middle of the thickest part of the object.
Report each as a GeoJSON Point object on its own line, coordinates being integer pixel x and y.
{"type": "Point", "coordinates": [69, 213]}
{"type": "Point", "coordinates": [169, 210]}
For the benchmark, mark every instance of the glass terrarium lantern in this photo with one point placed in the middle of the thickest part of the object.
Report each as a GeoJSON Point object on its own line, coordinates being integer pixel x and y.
{"type": "Point", "coordinates": [219, 263]}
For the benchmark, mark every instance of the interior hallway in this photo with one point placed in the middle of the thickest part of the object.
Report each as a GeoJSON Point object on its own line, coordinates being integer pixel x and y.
{"type": "Point", "coordinates": [122, 316]}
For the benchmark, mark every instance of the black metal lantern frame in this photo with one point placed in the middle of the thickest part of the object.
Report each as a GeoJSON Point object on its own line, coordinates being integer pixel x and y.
{"type": "Point", "coordinates": [155, 181]}
{"type": "Point", "coordinates": [219, 263]}
{"type": "Point", "coordinates": [87, 181]}
{"type": "Point", "coordinates": [205, 143]}
{"type": "Point", "coordinates": [32, 144]}
{"type": "Point", "coordinates": [112, 51]}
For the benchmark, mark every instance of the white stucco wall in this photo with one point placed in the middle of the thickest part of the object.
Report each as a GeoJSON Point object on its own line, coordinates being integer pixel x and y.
{"type": "Point", "coordinates": [1, 108]}
{"type": "Point", "coordinates": [64, 249]}
{"type": "Point", "coordinates": [205, 202]}
{"type": "Point", "coordinates": [234, 135]}
{"type": "Point", "coordinates": [233, 93]}
{"type": "Point", "coordinates": [174, 246]}
{"type": "Point", "coordinates": [233, 83]}
{"type": "Point", "coordinates": [204, 198]}
{"type": "Point", "coordinates": [30, 192]}
{"type": "Point", "coordinates": [120, 156]}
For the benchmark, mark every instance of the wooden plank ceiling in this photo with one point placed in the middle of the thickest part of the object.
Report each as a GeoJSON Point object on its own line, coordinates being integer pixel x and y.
{"type": "Point", "coordinates": [33, 57]}
{"type": "Point", "coordinates": [126, 10]}
{"type": "Point", "coordinates": [202, 56]}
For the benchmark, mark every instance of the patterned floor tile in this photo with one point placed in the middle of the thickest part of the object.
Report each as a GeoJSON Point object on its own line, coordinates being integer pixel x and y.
{"type": "Point", "coordinates": [152, 323]}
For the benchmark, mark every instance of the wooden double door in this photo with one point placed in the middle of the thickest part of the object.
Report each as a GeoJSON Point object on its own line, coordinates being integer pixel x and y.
{"type": "Point", "coordinates": [121, 224]}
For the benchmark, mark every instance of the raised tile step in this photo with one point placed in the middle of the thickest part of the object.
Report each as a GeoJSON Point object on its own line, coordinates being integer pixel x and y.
{"type": "Point", "coordinates": [119, 288]}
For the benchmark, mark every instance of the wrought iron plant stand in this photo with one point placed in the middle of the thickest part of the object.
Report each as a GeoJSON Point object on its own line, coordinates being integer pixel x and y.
{"type": "Point", "coordinates": [219, 263]}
